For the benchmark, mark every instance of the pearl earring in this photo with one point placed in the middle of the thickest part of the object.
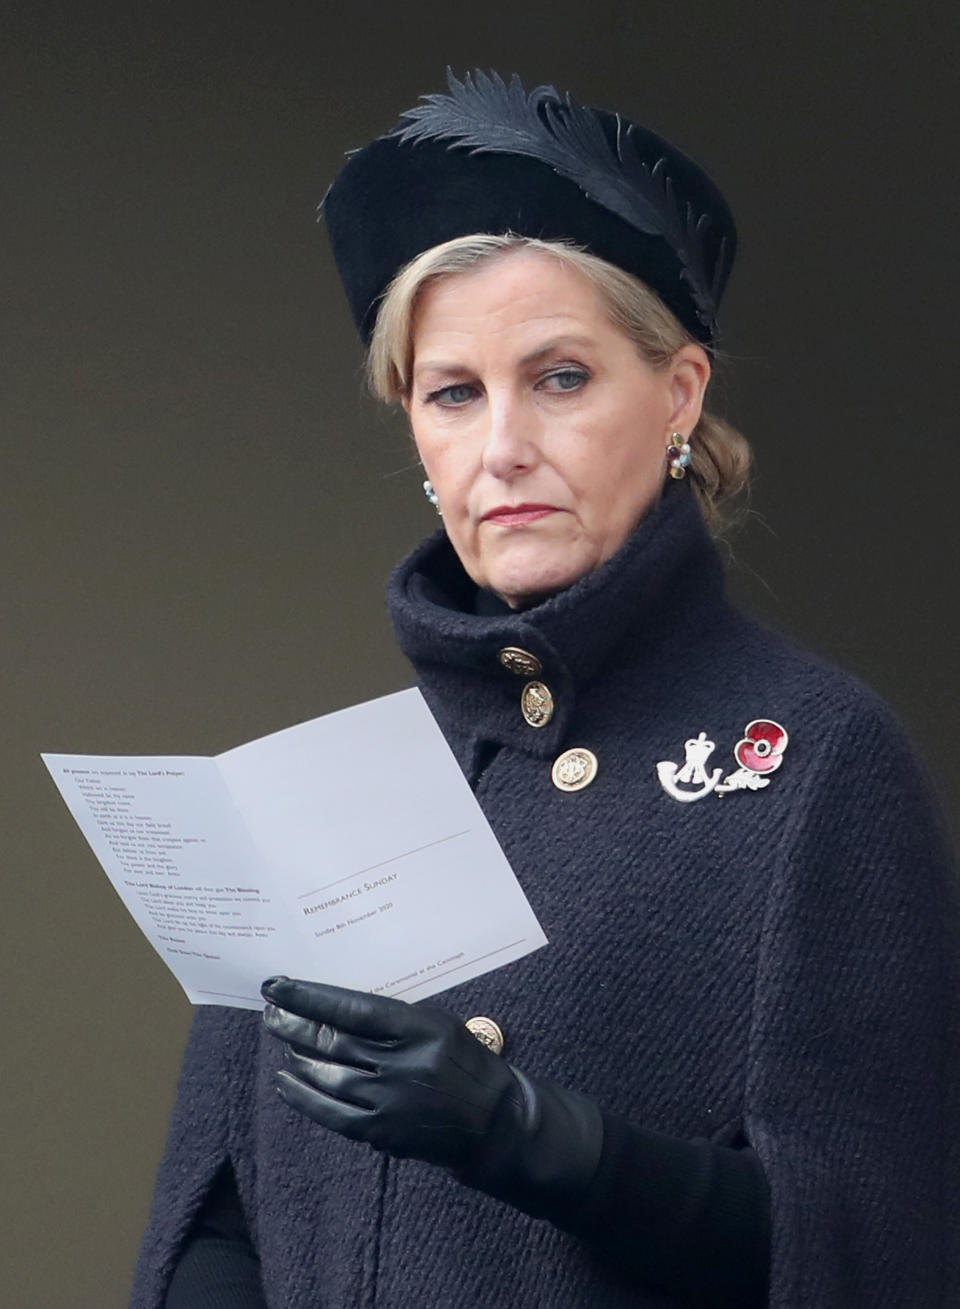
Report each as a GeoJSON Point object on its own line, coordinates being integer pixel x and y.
{"type": "Point", "coordinates": [678, 454]}
{"type": "Point", "coordinates": [431, 495]}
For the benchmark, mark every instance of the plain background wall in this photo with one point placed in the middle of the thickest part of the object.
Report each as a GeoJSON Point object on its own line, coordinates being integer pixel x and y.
{"type": "Point", "coordinates": [198, 507]}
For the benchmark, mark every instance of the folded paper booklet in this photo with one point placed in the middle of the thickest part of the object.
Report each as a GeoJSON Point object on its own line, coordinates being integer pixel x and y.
{"type": "Point", "coordinates": [349, 849]}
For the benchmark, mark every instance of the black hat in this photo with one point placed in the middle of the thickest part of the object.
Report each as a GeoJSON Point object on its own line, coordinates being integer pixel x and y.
{"type": "Point", "coordinates": [489, 157]}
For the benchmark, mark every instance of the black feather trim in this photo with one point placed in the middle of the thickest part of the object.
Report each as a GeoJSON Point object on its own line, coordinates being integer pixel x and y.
{"type": "Point", "coordinates": [488, 116]}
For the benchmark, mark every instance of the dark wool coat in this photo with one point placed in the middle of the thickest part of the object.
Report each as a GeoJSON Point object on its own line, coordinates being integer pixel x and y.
{"type": "Point", "coordinates": [771, 966]}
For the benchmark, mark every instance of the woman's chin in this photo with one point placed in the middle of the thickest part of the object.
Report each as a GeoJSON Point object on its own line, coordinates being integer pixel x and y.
{"type": "Point", "coordinates": [521, 588]}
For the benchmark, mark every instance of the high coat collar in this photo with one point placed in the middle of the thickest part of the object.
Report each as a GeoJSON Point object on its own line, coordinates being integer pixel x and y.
{"type": "Point", "coordinates": [643, 603]}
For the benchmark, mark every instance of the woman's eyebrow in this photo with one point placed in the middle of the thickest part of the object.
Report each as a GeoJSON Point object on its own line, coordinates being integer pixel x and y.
{"type": "Point", "coordinates": [442, 368]}
{"type": "Point", "coordinates": [554, 345]}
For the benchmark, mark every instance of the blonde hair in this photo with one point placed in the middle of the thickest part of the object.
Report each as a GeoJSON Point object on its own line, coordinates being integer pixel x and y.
{"type": "Point", "coordinates": [720, 455]}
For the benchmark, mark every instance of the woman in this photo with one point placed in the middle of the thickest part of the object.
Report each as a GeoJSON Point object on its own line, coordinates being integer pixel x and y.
{"type": "Point", "coordinates": [730, 1078]}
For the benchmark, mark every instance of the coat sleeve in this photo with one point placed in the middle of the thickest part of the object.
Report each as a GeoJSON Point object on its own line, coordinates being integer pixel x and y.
{"type": "Point", "coordinates": [852, 1097]}
{"type": "Point", "coordinates": [214, 1076]}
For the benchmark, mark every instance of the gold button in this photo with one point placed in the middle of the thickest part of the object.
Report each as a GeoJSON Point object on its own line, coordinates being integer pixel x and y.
{"type": "Point", "coordinates": [521, 662]}
{"type": "Point", "coordinates": [487, 1033]}
{"type": "Point", "coordinates": [574, 769]}
{"type": "Point", "coordinates": [536, 704]}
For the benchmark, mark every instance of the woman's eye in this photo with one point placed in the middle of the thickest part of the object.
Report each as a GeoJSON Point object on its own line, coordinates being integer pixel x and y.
{"type": "Point", "coordinates": [458, 394]}
{"type": "Point", "coordinates": [566, 379]}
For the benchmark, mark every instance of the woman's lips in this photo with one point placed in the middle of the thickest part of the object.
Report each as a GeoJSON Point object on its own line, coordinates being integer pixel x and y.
{"type": "Point", "coordinates": [517, 515]}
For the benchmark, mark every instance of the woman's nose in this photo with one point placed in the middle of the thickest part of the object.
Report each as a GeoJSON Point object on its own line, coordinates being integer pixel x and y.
{"type": "Point", "coordinates": [511, 442]}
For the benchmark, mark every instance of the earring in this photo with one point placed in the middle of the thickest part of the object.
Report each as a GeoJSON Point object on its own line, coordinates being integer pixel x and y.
{"type": "Point", "coordinates": [431, 495]}
{"type": "Point", "coordinates": [678, 454]}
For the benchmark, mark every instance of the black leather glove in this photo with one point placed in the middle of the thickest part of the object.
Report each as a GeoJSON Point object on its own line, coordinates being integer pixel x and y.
{"type": "Point", "coordinates": [688, 1217]}
{"type": "Point", "coordinates": [412, 1081]}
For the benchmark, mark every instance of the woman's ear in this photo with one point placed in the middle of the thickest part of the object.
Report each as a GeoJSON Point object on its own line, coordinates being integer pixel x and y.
{"type": "Point", "coordinates": [689, 373]}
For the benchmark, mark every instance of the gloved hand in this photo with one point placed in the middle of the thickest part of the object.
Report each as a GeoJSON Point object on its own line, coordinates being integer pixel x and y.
{"type": "Point", "coordinates": [411, 1080]}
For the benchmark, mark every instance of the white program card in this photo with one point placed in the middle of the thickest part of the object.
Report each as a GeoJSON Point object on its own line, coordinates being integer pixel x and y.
{"type": "Point", "coordinates": [349, 849]}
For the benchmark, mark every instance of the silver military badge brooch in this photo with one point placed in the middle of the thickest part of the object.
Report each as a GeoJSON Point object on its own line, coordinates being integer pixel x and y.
{"type": "Point", "coordinates": [758, 753]}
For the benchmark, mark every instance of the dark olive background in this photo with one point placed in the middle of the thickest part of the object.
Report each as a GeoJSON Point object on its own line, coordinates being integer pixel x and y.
{"type": "Point", "coordinates": [199, 506]}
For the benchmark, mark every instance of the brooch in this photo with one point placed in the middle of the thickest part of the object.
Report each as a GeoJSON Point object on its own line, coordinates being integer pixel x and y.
{"type": "Point", "coordinates": [758, 753]}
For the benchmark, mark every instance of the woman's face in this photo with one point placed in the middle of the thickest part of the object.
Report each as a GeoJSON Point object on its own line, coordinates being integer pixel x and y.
{"type": "Point", "coordinates": [539, 424]}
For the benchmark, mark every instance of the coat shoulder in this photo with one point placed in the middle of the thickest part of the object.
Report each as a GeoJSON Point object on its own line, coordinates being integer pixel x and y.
{"type": "Point", "coordinates": [761, 663]}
